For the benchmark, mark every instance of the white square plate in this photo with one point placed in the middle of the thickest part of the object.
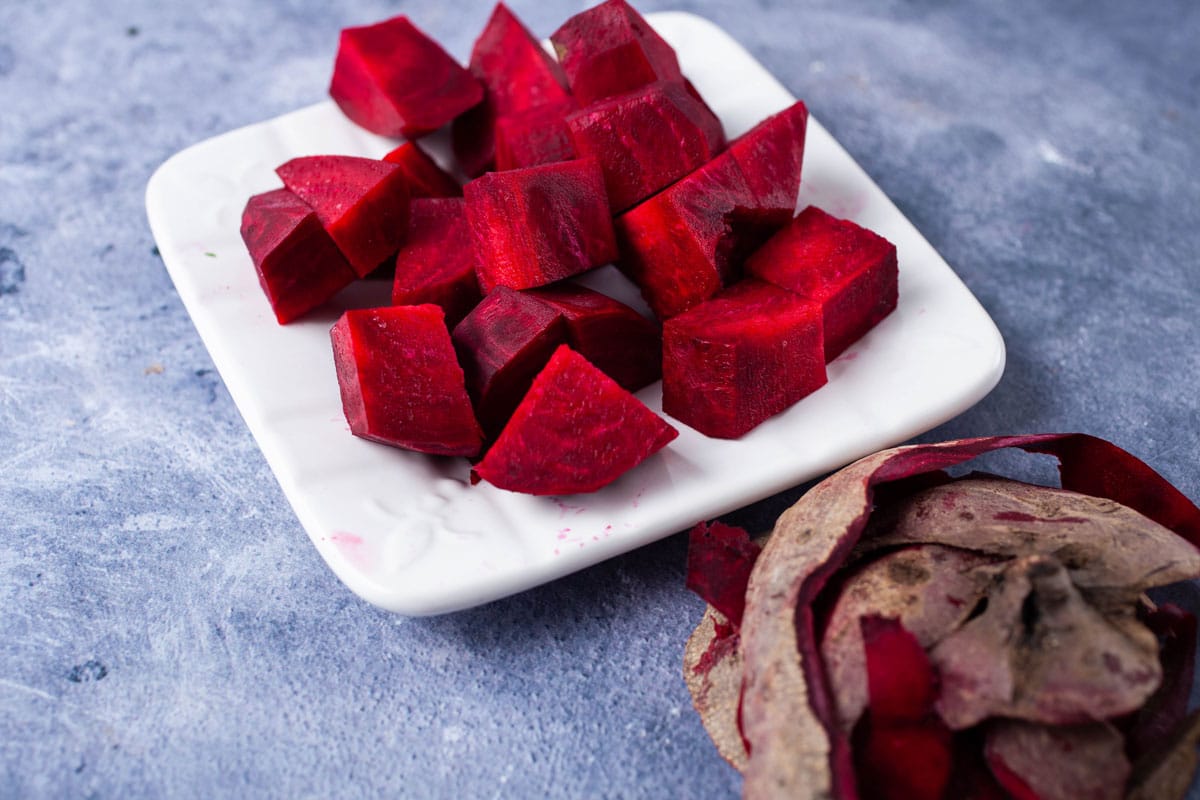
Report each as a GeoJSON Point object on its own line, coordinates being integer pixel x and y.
{"type": "Point", "coordinates": [407, 532]}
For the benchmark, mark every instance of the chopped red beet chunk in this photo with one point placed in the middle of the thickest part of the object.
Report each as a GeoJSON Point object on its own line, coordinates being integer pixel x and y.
{"type": "Point", "coordinates": [502, 344]}
{"type": "Point", "coordinates": [517, 73]}
{"type": "Point", "coordinates": [848, 269]}
{"type": "Point", "coordinates": [617, 340]}
{"type": "Point", "coordinates": [422, 174]}
{"type": "Point", "coordinates": [575, 431]}
{"type": "Point", "coordinates": [686, 136]}
{"type": "Point", "coordinates": [736, 360]}
{"type": "Point", "coordinates": [362, 202]}
{"type": "Point", "coordinates": [436, 263]}
{"type": "Point", "coordinates": [400, 381]}
{"type": "Point", "coordinates": [538, 225]}
{"type": "Point", "coordinates": [719, 561]}
{"type": "Point", "coordinates": [682, 244]}
{"type": "Point", "coordinates": [609, 49]}
{"type": "Point", "coordinates": [393, 80]}
{"type": "Point", "coordinates": [534, 136]}
{"type": "Point", "coordinates": [299, 267]}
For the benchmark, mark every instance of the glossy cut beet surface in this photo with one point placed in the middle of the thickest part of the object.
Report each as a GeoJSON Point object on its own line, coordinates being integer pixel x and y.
{"type": "Point", "coordinates": [436, 263]}
{"type": "Point", "coordinates": [393, 80]}
{"type": "Point", "coordinates": [400, 381]}
{"type": "Point", "coordinates": [362, 202]}
{"type": "Point", "coordinates": [299, 267]}
{"type": "Point", "coordinates": [575, 431]}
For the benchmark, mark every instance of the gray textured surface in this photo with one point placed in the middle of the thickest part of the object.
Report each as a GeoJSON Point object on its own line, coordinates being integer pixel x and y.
{"type": "Point", "coordinates": [168, 630]}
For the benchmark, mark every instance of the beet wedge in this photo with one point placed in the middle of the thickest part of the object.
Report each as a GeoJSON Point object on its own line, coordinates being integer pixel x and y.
{"type": "Point", "coordinates": [734, 361]}
{"type": "Point", "coordinates": [687, 135]}
{"type": "Point", "coordinates": [610, 49]}
{"type": "Point", "coordinates": [517, 75]}
{"type": "Point", "coordinates": [851, 271]}
{"type": "Point", "coordinates": [538, 225]}
{"type": "Point", "coordinates": [617, 340]}
{"type": "Point", "coordinates": [393, 80]}
{"type": "Point", "coordinates": [683, 244]}
{"type": "Point", "coordinates": [436, 264]}
{"type": "Point", "coordinates": [362, 202]}
{"type": "Point", "coordinates": [503, 344]}
{"type": "Point", "coordinates": [400, 382]}
{"type": "Point", "coordinates": [575, 431]}
{"type": "Point", "coordinates": [299, 267]}
{"type": "Point", "coordinates": [422, 174]}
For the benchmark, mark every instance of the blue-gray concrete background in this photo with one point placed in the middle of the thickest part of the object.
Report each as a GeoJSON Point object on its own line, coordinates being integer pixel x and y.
{"type": "Point", "coordinates": [166, 629]}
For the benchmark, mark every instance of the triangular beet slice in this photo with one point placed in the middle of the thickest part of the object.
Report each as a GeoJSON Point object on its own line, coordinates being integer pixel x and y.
{"type": "Point", "coordinates": [734, 361]}
{"type": "Point", "coordinates": [299, 267]}
{"type": "Point", "coordinates": [620, 342]}
{"type": "Point", "coordinates": [537, 225]}
{"type": "Point", "coordinates": [400, 381]}
{"type": "Point", "coordinates": [771, 156]}
{"type": "Point", "coordinates": [517, 74]}
{"type": "Point", "coordinates": [610, 49]}
{"type": "Point", "coordinates": [687, 135]}
{"type": "Point", "coordinates": [393, 80]}
{"type": "Point", "coordinates": [422, 174]}
{"type": "Point", "coordinates": [362, 202]}
{"type": "Point", "coordinates": [849, 270]}
{"type": "Point", "coordinates": [575, 431]}
{"type": "Point", "coordinates": [436, 263]}
{"type": "Point", "coordinates": [502, 344]}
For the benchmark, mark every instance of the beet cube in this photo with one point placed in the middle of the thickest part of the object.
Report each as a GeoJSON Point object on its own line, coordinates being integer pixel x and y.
{"type": "Point", "coordinates": [538, 225]}
{"type": "Point", "coordinates": [682, 244]}
{"type": "Point", "coordinates": [740, 358]}
{"type": "Point", "coordinates": [534, 136]}
{"type": "Point", "coordinates": [610, 49]}
{"type": "Point", "coordinates": [502, 344]}
{"type": "Point", "coordinates": [850, 271]}
{"type": "Point", "coordinates": [400, 382]}
{"type": "Point", "coordinates": [436, 263]}
{"type": "Point", "coordinates": [575, 431]}
{"type": "Point", "coordinates": [393, 80]}
{"type": "Point", "coordinates": [299, 267]}
{"type": "Point", "coordinates": [422, 174]}
{"type": "Point", "coordinates": [517, 74]}
{"type": "Point", "coordinates": [363, 203]}
{"type": "Point", "coordinates": [617, 340]}
{"type": "Point", "coordinates": [686, 136]}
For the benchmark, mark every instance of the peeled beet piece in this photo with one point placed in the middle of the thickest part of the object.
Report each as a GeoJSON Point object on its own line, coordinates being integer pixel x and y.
{"type": "Point", "coordinates": [609, 49]}
{"type": "Point", "coordinates": [620, 342]}
{"type": "Point", "coordinates": [575, 431]}
{"type": "Point", "coordinates": [517, 74]}
{"type": "Point", "coordinates": [719, 560]}
{"type": "Point", "coordinates": [848, 269]}
{"type": "Point", "coordinates": [362, 202]}
{"type": "Point", "coordinates": [422, 174]}
{"type": "Point", "coordinates": [534, 136]}
{"type": "Point", "coordinates": [687, 135]}
{"type": "Point", "coordinates": [502, 344]}
{"type": "Point", "coordinates": [682, 244]}
{"type": "Point", "coordinates": [436, 263]}
{"type": "Point", "coordinates": [400, 382]}
{"type": "Point", "coordinates": [903, 751]}
{"type": "Point", "coordinates": [299, 267]}
{"type": "Point", "coordinates": [393, 80]}
{"type": "Point", "coordinates": [740, 358]}
{"type": "Point", "coordinates": [538, 225]}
